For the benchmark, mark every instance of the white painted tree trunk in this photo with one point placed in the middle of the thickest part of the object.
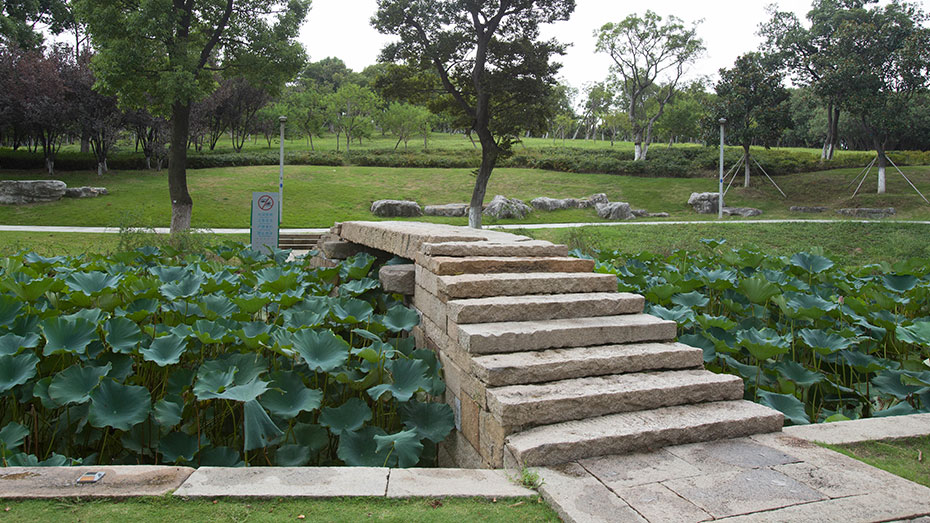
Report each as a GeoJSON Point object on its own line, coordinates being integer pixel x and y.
{"type": "Point", "coordinates": [637, 151]}
{"type": "Point", "coordinates": [881, 179]}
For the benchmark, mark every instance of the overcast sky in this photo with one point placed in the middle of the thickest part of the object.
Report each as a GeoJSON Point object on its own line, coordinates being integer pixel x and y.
{"type": "Point", "coordinates": [341, 28]}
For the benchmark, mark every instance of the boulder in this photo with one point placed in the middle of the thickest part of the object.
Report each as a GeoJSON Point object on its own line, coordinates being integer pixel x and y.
{"type": "Point", "coordinates": [867, 212]}
{"type": "Point", "coordinates": [85, 192]}
{"type": "Point", "coordinates": [18, 192]}
{"type": "Point", "coordinates": [395, 208]}
{"type": "Point", "coordinates": [800, 208]}
{"type": "Point", "coordinates": [745, 212]}
{"type": "Point", "coordinates": [449, 209]}
{"type": "Point", "coordinates": [502, 207]}
{"type": "Point", "coordinates": [614, 211]}
{"type": "Point", "coordinates": [598, 198]}
{"type": "Point", "coordinates": [398, 279]}
{"type": "Point", "coordinates": [555, 204]}
{"type": "Point", "coordinates": [704, 202]}
{"type": "Point", "coordinates": [643, 213]}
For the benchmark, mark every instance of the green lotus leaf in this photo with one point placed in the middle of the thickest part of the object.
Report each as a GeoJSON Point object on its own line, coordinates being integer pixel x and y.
{"type": "Point", "coordinates": [825, 342]}
{"type": "Point", "coordinates": [400, 318]}
{"type": "Point", "coordinates": [323, 351]}
{"type": "Point", "coordinates": [224, 282]}
{"type": "Point", "coordinates": [917, 333]}
{"type": "Point", "coordinates": [140, 309]}
{"type": "Point", "coordinates": [253, 334]}
{"type": "Point", "coordinates": [292, 456]}
{"type": "Point", "coordinates": [835, 417]}
{"type": "Point", "coordinates": [763, 344]}
{"type": "Point", "coordinates": [810, 263]}
{"type": "Point", "coordinates": [721, 322]}
{"type": "Point", "coordinates": [691, 299]}
{"type": "Point", "coordinates": [165, 350]}
{"type": "Point", "coordinates": [315, 437]}
{"type": "Point", "coordinates": [288, 397]}
{"type": "Point", "coordinates": [9, 309]}
{"type": "Point", "coordinates": [67, 335]}
{"type": "Point", "coordinates": [348, 417]}
{"type": "Point", "coordinates": [122, 334]}
{"type": "Point", "coordinates": [295, 320]}
{"type": "Point", "coordinates": [185, 287]}
{"type": "Point", "coordinates": [216, 331]}
{"type": "Point", "coordinates": [91, 314]}
{"type": "Point", "coordinates": [29, 291]}
{"type": "Point", "coordinates": [901, 409]}
{"type": "Point", "coordinates": [74, 384]}
{"type": "Point", "coordinates": [12, 436]}
{"type": "Point", "coordinates": [41, 263]}
{"type": "Point", "coordinates": [23, 460]}
{"type": "Point", "coordinates": [92, 283]}
{"type": "Point", "coordinates": [178, 447]}
{"type": "Point", "coordinates": [359, 449]}
{"type": "Point", "coordinates": [367, 335]}
{"type": "Point", "coordinates": [718, 279]}
{"type": "Point", "coordinates": [899, 283]}
{"type": "Point", "coordinates": [356, 267]}
{"type": "Point", "coordinates": [276, 280]}
{"type": "Point", "coordinates": [749, 373]}
{"type": "Point", "coordinates": [865, 362]}
{"type": "Point", "coordinates": [808, 305]}
{"type": "Point", "coordinates": [167, 273]}
{"type": "Point", "coordinates": [358, 287]}
{"type": "Point", "coordinates": [16, 370]}
{"type": "Point", "coordinates": [221, 385]}
{"type": "Point", "coordinates": [11, 344]}
{"type": "Point", "coordinates": [118, 406]}
{"type": "Point", "coordinates": [681, 315]}
{"type": "Point", "coordinates": [889, 382]}
{"type": "Point", "coordinates": [787, 404]}
{"type": "Point", "coordinates": [758, 289]}
{"type": "Point", "coordinates": [168, 410]}
{"type": "Point", "coordinates": [662, 293]}
{"type": "Point", "coordinates": [352, 311]}
{"type": "Point", "coordinates": [260, 431]}
{"type": "Point", "coordinates": [432, 421]}
{"type": "Point", "coordinates": [215, 306]}
{"type": "Point", "coordinates": [701, 342]}
{"type": "Point", "coordinates": [40, 391]}
{"type": "Point", "coordinates": [404, 448]}
{"type": "Point", "coordinates": [248, 365]}
{"type": "Point", "coordinates": [220, 457]}
{"type": "Point", "coordinates": [797, 373]}
{"type": "Point", "coordinates": [250, 303]}
{"type": "Point", "coordinates": [404, 346]}
{"type": "Point", "coordinates": [409, 377]}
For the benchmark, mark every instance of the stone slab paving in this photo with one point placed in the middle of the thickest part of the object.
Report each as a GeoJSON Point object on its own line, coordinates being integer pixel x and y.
{"type": "Point", "coordinates": [407, 483]}
{"type": "Point", "coordinates": [117, 481]}
{"type": "Point", "coordinates": [774, 477]}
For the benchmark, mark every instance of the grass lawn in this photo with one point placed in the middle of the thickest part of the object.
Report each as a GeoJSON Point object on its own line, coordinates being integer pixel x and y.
{"type": "Point", "coordinates": [167, 508]}
{"type": "Point", "coordinates": [906, 457]}
{"type": "Point", "coordinates": [58, 244]}
{"type": "Point", "coordinates": [317, 196]}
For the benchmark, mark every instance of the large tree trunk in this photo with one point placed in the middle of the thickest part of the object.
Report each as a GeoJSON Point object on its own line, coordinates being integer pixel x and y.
{"type": "Point", "coordinates": [181, 203]}
{"type": "Point", "coordinates": [832, 138]}
{"type": "Point", "coordinates": [882, 163]}
{"type": "Point", "coordinates": [489, 153]}
{"type": "Point", "coordinates": [746, 165]}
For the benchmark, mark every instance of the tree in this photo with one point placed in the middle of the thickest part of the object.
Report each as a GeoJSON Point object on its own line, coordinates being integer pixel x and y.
{"type": "Point", "coordinates": [46, 99]}
{"type": "Point", "coordinates": [164, 53]}
{"type": "Point", "coordinates": [884, 60]}
{"type": "Point", "coordinates": [244, 102]}
{"type": "Point", "coordinates": [306, 108]}
{"type": "Point", "coordinates": [352, 108]}
{"type": "Point", "coordinates": [597, 104]}
{"type": "Point", "coordinates": [150, 134]}
{"type": "Point", "coordinates": [650, 59]}
{"type": "Point", "coordinates": [405, 121]}
{"type": "Point", "coordinates": [99, 118]}
{"type": "Point", "coordinates": [19, 19]}
{"type": "Point", "coordinates": [328, 75]}
{"type": "Point", "coordinates": [681, 120]}
{"type": "Point", "coordinates": [754, 102]}
{"type": "Point", "coordinates": [489, 59]}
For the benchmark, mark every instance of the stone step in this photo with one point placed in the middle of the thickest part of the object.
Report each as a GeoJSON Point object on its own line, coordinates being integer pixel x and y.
{"type": "Point", "coordinates": [521, 336]}
{"type": "Point", "coordinates": [448, 265]}
{"type": "Point", "coordinates": [492, 248]}
{"type": "Point", "coordinates": [638, 431]}
{"type": "Point", "coordinates": [514, 284]}
{"type": "Point", "coordinates": [497, 370]}
{"type": "Point", "coordinates": [543, 307]}
{"type": "Point", "coordinates": [554, 402]}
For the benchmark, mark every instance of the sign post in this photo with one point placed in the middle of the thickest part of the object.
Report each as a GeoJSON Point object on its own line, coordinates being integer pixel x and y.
{"type": "Point", "coordinates": [283, 120]}
{"type": "Point", "coordinates": [265, 213]}
{"type": "Point", "coordinates": [723, 123]}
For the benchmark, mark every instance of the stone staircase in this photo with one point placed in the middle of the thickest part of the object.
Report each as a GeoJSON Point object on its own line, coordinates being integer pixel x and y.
{"type": "Point", "coordinates": [545, 362]}
{"type": "Point", "coordinates": [298, 242]}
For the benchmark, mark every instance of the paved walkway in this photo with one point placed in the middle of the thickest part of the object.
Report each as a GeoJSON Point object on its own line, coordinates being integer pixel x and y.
{"type": "Point", "coordinates": [526, 226]}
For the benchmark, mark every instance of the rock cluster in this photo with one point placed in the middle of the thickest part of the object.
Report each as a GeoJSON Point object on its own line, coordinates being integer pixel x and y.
{"type": "Point", "coordinates": [449, 209]}
{"type": "Point", "coordinates": [708, 203]}
{"type": "Point", "coordinates": [85, 192]}
{"type": "Point", "coordinates": [801, 208]}
{"type": "Point", "coordinates": [502, 207]}
{"type": "Point", "coordinates": [20, 192]}
{"type": "Point", "coordinates": [867, 212]}
{"type": "Point", "coordinates": [614, 211]}
{"type": "Point", "coordinates": [396, 209]}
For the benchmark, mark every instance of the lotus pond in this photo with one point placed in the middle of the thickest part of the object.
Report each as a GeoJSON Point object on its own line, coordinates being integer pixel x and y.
{"type": "Point", "coordinates": [811, 340]}
{"type": "Point", "coordinates": [227, 359]}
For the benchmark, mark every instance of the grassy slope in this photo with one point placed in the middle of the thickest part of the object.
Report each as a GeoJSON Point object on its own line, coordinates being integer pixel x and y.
{"type": "Point", "coordinates": [908, 457]}
{"type": "Point", "coordinates": [337, 510]}
{"type": "Point", "coordinates": [316, 196]}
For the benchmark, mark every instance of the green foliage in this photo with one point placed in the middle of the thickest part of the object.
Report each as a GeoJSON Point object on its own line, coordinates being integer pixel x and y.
{"type": "Point", "coordinates": [809, 339]}
{"type": "Point", "coordinates": [226, 358]}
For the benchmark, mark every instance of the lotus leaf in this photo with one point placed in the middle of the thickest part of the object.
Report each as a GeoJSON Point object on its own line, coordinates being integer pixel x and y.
{"type": "Point", "coordinates": [220, 457]}
{"type": "Point", "coordinates": [662, 293]}
{"type": "Point", "coordinates": [787, 404]}
{"type": "Point", "coordinates": [168, 410]}
{"type": "Point", "coordinates": [403, 448]}
{"type": "Point", "coordinates": [899, 283]}
{"type": "Point", "coordinates": [140, 309]}
{"type": "Point", "coordinates": [432, 421]}
{"type": "Point", "coordinates": [315, 437]}
{"type": "Point", "coordinates": [917, 333]}
{"type": "Point", "coordinates": [691, 299]}
{"type": "Point", "coordinates": [225, 385]}
{"type": "Point", "coordinates": [682, 315]}
{"type": "Point", "coordinates": [67, 335]}
{"type": "Point", "coordinates": [122, 334]}
{"type": "Point", "coordinates": [825, 342]}
{"type": "Point", "coordinates": [260, 431]}
{"type": "Point", "coordinates": [436, 386]}
{"type": "Point", "coordinates": [359, 448]}
{"type": "Point", "coordinates": [348, 417]}
{"type": "Point", "coordinates": [166, 350]}
{"type": "Point", "coordinates": [763, 344]}
{"type": "Point", "coordinates": [185, 287]}
{"type": "Point", "coordinates": [11, 344]}
{"type": "Point", "coordinates": [178, 447]}
{"type": "Point", "coordinates": [118, 406]}
{"type": "Point", "coordinates": [30, 291]}
{"type": "Point", "coordinates": [323, 351]}
{"type": "Point", "coordinates": [276, 279]}
{"type": "Point", "coordinates": [796, 373]}
{"type": "Point", "coordinates": [250, 303]}
{"type": "Point", "coordinates": [288, 397]}
{"type": "Point", "coordinates": [890, 382]}
{"type": "Point", "coordinates": [12, 436]}
{"type": "Point", "coordinates": [864, 362]}
{"type": "Point", "coordinates": [901, 409]}
{"type": "Point", "coordinates": [409, 377]}
{"type": "Point", "coordinates": [758, 289]}
{"type": "Point", "coordinates": [74, 384]}
{"type": "Point", "coordinates": [92, 283]}
{"type": "Point", "coordinates": [352, 310]}
{"type": "Point", "coordinates": [214, 306]}
{"type": "Point", "coordinates": [40, 391]}
{"type": "Point", "coordinates": [295, 320]}
{"type": "Point", "coordinates": [811, 263]}
{"type": "Point", "coordinates": [217, 331]}
{"type": "Point", "coordinates": [400, 318]}
{"type": "Point", "coordinates": [9, 309]}
{"type": "Point", "coordinates": [358, 287]}
{"type": "Point", "coordinates": [699, 341]}
{"type": "Point", "coordinates": [291, 456]}
{"type": "Point", "coordinates": [168, 274]}
{"type": "Point", "coordinates": [16, 370]}
{"type": "Point", "coordinates": [356, 267]}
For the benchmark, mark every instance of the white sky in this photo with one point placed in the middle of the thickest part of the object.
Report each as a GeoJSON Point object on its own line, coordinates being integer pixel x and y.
{"type": "Point", "coordinates": [341, 28]}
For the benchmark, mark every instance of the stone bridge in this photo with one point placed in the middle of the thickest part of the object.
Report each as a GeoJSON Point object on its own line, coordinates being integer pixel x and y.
{"type": "Point", "coordinates": [544, 361]}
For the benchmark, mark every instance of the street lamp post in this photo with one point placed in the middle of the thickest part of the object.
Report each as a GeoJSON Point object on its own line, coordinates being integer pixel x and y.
{"type": "Point", "coordinates": [283, 120]}
{"type": "Point", "coordinates": [723, 123]}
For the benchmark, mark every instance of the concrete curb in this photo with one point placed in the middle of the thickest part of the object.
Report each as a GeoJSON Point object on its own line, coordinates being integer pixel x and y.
{"type": "Point", "coordinates": [855, 431]}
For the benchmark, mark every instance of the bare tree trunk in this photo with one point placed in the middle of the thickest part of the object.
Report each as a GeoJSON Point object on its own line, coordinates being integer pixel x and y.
{"type": "Point", "coordinates": [489, 156]}
{"type": "Point", "coordinates": [882, 163]}
{"type": "Point", "coordinates": [181, 203]}
{"type": "Point", "coordinates": [746, 165]}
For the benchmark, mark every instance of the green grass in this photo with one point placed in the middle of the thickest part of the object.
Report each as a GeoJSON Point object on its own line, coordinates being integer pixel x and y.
{"type": "Point", "coordinates": [317, 196]}
{"type": "Point", "coordinates": [848, 244]}
{"type": "Point", "coordinates": [453, 510]}
{"type": "Point", "coordinates": [59, 244]}
{"type": "Point", "coordinates": [906, 457]}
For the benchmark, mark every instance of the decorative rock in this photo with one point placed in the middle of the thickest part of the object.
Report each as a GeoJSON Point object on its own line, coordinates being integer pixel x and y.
{"type": "Point", "coordinates": [745, 212]}
{"type": "Point", "coordinates": [657, 215]}
{"type": "Point", "coordinates": [85, 192]}
{"type": "Point", "coordinates": [340, 249]}
{"type": "Point", "coordinates": [704, 202]}
{"type": "Point", "coordinates": [502, 207]}
{"type": "Point", "coordinates": [598, 198]}
{"type": "Point", "coordinates": [867, 212]}
{"type": "Point", "coordinates": [801, 208]}
{"type": "Point", "coordinates": [614, 211]}
{"type": "Point", "coordinates": [18, 192]}
{"type": "Point", "coordinates": [453, 210]}
{"type": "Point", "coordinates": [554, 204]}
{"type": "Point", "coordinates": [395, 208]}
{"type": "Point", "coordinates": [399, 279]}
{"type": "Point", "coordinates": [643, 213]}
